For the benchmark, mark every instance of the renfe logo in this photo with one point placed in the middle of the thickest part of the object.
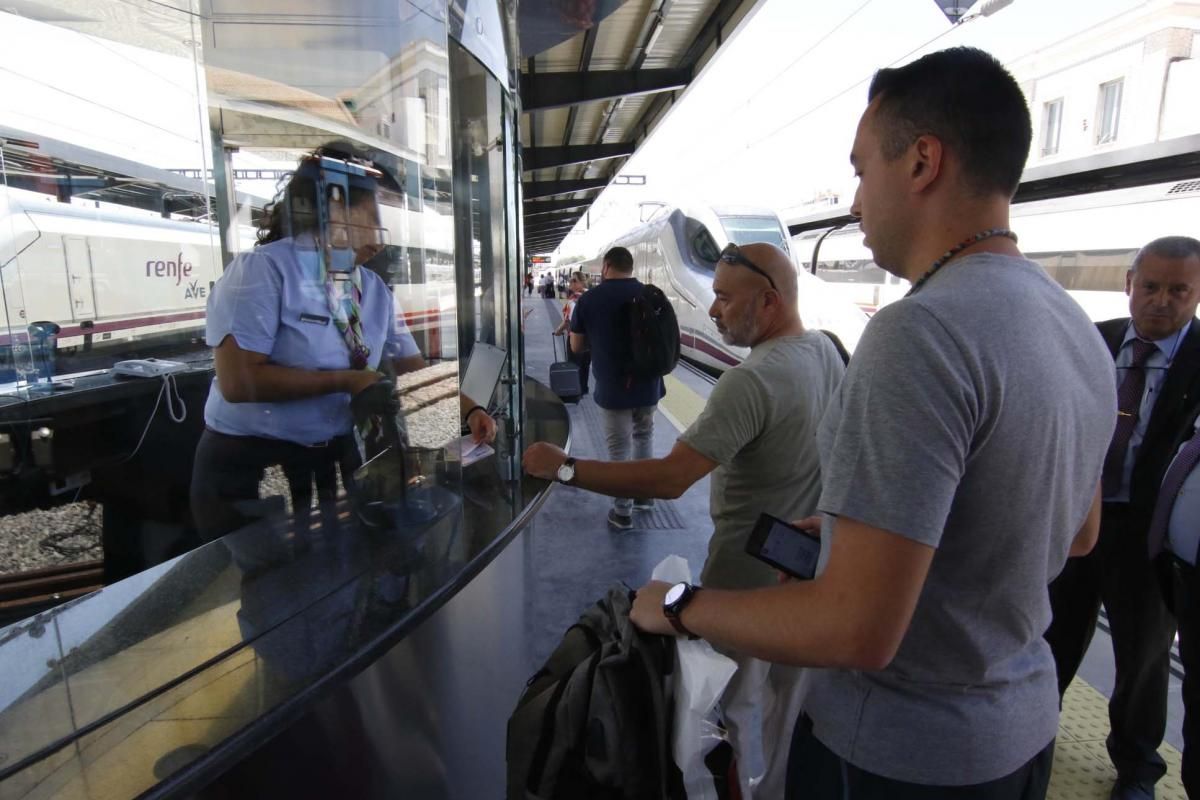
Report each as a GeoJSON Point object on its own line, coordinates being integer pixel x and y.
{"type": "Point", "coordinates": [177, 269]}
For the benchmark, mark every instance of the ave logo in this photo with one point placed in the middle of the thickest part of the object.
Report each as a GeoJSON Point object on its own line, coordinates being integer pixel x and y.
{"type": "Point", "coordinates": [195, 291]}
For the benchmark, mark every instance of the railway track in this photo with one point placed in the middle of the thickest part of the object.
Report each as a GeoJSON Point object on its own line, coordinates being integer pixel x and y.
{"type": "Point", "coordinates": [23, 594]}
{"type": "Point", "coordinates": [700, 372]}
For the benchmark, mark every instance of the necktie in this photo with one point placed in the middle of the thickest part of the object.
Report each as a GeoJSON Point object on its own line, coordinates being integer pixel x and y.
{"type": "Point", "coordinates": [1181, 467]}
{"type": "Point", "coordinates": [1129, 400]}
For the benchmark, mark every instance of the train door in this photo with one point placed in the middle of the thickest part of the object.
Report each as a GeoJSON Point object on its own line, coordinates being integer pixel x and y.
{"type": "Point", "coordinates": [79, 278]}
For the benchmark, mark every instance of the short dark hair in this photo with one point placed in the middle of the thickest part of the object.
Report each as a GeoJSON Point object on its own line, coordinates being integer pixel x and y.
{"type": "Point", "coordinates": [1173, 247]}
{"type": "Point", "coordinates": [968, 100]}
{"type": "Point", "coordinates": [619, 259]}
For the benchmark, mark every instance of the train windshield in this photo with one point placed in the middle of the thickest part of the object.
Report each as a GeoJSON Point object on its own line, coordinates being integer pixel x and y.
{"type": "Point", "coordinates": [745, 230]}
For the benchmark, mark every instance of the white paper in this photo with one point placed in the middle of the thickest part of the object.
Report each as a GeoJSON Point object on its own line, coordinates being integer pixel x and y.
{"type": "Point", "coordinates": [703, 675]}
{"type": "Point", "coordinates": [473, 451]}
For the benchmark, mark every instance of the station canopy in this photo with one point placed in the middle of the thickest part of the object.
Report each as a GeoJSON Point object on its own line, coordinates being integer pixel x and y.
{"type": "Point", "coordinates": [593, 87]}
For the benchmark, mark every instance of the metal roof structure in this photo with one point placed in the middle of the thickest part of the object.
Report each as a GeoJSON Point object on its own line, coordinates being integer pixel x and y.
{"type": "Point", "coordinates": [591, 100]}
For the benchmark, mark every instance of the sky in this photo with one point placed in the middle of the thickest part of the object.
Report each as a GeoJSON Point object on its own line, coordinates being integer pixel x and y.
{"type": "Point", "coordinates": [770, 120]}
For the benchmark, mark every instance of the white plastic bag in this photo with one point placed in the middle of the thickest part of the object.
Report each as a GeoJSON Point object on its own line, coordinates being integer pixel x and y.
{"type": "Point", "coordinates": [703, 674]}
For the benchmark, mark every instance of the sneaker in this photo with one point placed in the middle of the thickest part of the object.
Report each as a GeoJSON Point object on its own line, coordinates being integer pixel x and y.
{"type": "Point", "coordinates": [643, 503]}
{"type": "Point", "coordinates": [620, 522]}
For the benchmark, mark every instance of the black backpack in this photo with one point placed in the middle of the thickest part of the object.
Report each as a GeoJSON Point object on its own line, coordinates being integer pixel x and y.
{"type": "Point", "coordinates": [594, 723]}
{"type": "Point", "coordinates": [653, 334]}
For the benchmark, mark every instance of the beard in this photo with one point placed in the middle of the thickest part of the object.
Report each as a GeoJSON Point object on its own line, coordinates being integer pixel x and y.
{"type": "Point", "coordinates": [741, 331]}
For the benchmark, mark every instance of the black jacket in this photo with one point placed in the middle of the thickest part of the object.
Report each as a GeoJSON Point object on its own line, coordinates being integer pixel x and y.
{"type": "Point", "coordinates": [1177, 397]}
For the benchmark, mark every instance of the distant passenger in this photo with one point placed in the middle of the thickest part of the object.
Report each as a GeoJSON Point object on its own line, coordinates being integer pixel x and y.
{"type": "Point", "coordinates": [960, 464]}
{"type": "Point", "coordinates": [1157, 354]}
{"type": "Point", "coordinates": [1174, 539]}
{"type": "Point", "coordinates": [757, 435]}
{"type": "Point", "coordinates": [576, 286]}
{"type": "Point", "coordinates": [627, 404]}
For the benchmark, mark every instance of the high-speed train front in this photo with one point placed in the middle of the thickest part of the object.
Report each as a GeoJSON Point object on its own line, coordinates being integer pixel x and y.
{"type": "Point", "coordinates": [677, 250]}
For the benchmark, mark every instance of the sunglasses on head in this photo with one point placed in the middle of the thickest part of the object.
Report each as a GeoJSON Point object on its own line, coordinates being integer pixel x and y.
{"type": "Point", "coordinates": [733, 255]}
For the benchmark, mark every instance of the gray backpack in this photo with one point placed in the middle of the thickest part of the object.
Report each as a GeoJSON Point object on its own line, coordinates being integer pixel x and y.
{"type": "Point", "coordinates": [595, 721]}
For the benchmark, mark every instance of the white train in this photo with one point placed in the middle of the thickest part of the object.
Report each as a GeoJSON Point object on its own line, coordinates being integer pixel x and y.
{"type": "Point", "coordinates": [677, 250]}
{"type": "Point", "coordinates": [1086, 243]}
{"type": "Point", "coordinates": [116, 278]}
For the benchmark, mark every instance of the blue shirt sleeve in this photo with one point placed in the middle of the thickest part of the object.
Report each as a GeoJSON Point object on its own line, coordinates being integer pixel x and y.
{"type": "Point", "coordinates": [245, 304]}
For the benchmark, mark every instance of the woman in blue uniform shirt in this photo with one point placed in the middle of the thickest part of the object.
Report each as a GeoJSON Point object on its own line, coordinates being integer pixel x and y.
{"type": "Point", "coordinates": [294, 341]}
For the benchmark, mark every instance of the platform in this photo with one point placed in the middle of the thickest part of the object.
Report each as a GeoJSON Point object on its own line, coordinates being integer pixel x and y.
{"type": "Point", "coordinates": [573, 521]}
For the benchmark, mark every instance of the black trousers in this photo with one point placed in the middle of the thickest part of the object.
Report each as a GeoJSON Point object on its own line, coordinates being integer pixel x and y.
{"type": "Point", "coordinates": [1119, 574]}
{"type": "Point", "coordinates": [816, 773]}
{"type": "Point", "coordinates": [1184, 583]}
{"type": "Point", "coordinates": [228, 470]}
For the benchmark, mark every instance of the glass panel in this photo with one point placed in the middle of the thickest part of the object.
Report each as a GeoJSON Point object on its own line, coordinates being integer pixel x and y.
{"type": "Point", "coordinates": [107, 250]}
{"type": "Point", "coordinates": [481, 233]}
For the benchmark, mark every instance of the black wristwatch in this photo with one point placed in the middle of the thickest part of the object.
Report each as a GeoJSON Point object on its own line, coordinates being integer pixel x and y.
{"type": "Point", "coordinates": [566, 472]}
{"type": "Point", "coordinates": [678, 596]}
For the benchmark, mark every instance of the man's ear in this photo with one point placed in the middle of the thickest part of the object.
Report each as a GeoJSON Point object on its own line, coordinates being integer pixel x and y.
{"type": "Point", "coordinates": [926, 160]}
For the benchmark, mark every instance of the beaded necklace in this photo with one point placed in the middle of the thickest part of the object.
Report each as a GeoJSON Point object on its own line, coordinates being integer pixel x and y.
{"type": "Point", "coordinates": [958, 248]}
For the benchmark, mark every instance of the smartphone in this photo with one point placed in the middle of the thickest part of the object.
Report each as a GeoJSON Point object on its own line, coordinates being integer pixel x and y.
{"type": "Point", "coordinates": [785, 547]}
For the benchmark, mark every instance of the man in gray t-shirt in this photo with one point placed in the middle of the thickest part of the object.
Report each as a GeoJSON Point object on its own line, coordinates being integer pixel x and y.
{"type": "Point", "coordinates": [757, 436]}
{"type": "Point", "coordinates": [961, 465]}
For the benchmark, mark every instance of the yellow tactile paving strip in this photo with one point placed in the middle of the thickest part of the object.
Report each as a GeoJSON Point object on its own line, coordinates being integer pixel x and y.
{"type": "Point", "coordinates": [1082, 770]}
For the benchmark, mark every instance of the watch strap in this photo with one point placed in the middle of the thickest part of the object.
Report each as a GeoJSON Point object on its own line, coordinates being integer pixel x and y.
{"type": "Point", "coordinates": [674, 612]}
{"type": "Point", "coordinates": [679, 626]}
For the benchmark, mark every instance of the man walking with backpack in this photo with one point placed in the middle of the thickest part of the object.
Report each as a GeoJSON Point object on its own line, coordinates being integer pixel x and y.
{"type": "Point", "coordinates": [756, 436]}
{"type": "Point", "coordinates": [627, 397]}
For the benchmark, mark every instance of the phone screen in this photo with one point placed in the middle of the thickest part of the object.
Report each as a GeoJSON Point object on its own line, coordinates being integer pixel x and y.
{"type": "Point", "coordinates": [785, 547]}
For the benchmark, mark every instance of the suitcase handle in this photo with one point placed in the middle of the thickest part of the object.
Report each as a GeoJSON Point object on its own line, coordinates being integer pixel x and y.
{"type": "Point", "coordinates": [554, 337]}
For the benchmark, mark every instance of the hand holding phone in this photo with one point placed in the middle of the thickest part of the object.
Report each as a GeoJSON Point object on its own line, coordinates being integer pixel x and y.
{"type": "Point", "coordinates": [785, 547]}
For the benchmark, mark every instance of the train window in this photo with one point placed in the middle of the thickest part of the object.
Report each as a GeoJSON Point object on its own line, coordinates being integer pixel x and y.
{"type": "Point", "coordinates": [705, 248]}
{"type": "Point", "coordinates": [851, 271]}
{"type": "Point", "coordinates": [745, 230]}
{"type": "Point", "coordinates": [1093, 271]}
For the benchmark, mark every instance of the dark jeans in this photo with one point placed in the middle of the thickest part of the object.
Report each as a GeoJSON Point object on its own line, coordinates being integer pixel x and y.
{"type": "Point", "coordinates": [816, 773]}
{"type": "Point", "coordinates": [1184, 581]}
{"type": "Point", "coordinates": [228, 470]}
{"type": "Point", "coordinates": [1118, 573]}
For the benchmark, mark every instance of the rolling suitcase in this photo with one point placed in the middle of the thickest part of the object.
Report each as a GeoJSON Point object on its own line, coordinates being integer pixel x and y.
{"type": "Point", "coordinates": [564, 375]}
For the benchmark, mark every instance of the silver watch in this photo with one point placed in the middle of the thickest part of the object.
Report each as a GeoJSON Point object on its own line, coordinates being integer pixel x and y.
{"type": "Point", "coordinates": [566, 473]}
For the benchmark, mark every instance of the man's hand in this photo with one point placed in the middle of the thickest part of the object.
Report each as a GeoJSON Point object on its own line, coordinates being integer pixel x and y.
{"type": "Point", "coordinates": [542, 460]}
{"type": "Point", "coordinates": [647, 613]}
{"type": "Point", "coordinates": [482, 427]}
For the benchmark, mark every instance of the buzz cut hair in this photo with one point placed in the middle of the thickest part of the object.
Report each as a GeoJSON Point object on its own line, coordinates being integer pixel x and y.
{"type": "Point", "coordinates": [970, 102]}
{"type": "Point", "coordinates": [619, 260]}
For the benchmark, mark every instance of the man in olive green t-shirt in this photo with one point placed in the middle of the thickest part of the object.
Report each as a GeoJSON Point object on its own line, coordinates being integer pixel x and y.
{"type": "Point", "coordinates": [757, 436]}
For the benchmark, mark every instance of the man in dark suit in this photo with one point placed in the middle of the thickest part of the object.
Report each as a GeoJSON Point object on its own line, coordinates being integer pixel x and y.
{"type": "Point", "coordinates": [1175, 544]}
{"type": "Point", "coordinates": [1156, 352]}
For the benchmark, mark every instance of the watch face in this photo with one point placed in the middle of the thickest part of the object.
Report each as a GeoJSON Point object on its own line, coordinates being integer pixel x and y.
{"type": "Point", "coordinates": [674, 594]}
{"type": "Point", "coordinates": [566, 472]}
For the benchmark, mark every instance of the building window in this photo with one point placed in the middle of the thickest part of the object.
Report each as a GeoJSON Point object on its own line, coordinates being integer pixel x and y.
{"type": "Point", "coordinates": [1108, 111]}
{"type": "Point", "coordinates": [1051, 126]}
